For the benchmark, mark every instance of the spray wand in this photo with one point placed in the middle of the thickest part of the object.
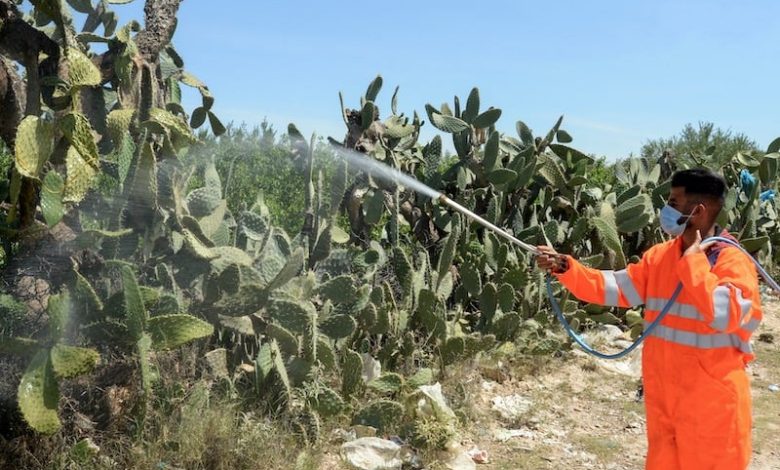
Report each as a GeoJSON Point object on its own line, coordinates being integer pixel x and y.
{"type": "Point", "coordinates": [530, 248]}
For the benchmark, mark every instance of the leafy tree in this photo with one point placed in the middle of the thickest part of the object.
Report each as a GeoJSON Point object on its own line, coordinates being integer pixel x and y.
{"type": "Point", "coordinates": [693, 142]}
{"type": "Point", "coordinates": [602, 172]}
{"type": "Point", "coordinates": [254, 162]}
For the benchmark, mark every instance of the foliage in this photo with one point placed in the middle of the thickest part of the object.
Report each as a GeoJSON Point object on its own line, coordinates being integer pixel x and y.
{"type": "Point", "coordinates": [12, 314]}
{"type": "Point", "coordinates": [6, 163]}
{"type": "Point", "coordinates": [68, 155]}
{"type": "Point", "coordinates": [254, 162]}
{"type": "Point", "coordinates": [53, 359]}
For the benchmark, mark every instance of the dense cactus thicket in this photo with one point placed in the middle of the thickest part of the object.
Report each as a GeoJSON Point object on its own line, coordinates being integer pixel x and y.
{"type": "Point", "coordinates": [375, 293]}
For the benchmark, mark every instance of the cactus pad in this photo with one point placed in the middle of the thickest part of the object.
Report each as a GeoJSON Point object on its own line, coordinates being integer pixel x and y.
{"type": "Point", "coordinates": [39, 394]}
{"type": "Point", "coordinates": [380, 414]}
{"type": "Point", "coordinates": [171, 331]}
{"type": "Point", "coordinates": [70, 361]}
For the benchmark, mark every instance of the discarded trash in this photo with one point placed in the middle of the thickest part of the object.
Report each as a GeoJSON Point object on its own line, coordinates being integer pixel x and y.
{"type": "Point", "coordinates": [431, 403]}
{"type": "Point", "coordinates": [503, 435]}
{"type": "Point", "coordinates": [606, 333]}
{"type": "Point", "coordinates": [372, 453]}
{"type": "Point", "coordinates": [630, 366]}
{"type": "Point", "coordinates": [478, 455]}
{"type": "Point", "coordinates": [397, 440]}
{"type": "Point", "coordinates": [371, 368]}
{"type": "Point", "coordinates": [511, 407]}
{"type": "Point", "coordinates": [458, 458]}
{"type": "Point", "coordinates": [413, 460]}
{"type": "Point", "coordinates": [774, 388]}
{"type": "Point", "coordinates": [640, 392]}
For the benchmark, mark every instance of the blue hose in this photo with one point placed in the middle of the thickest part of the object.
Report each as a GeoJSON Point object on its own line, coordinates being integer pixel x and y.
{"type": "Point", "coordinates": [649, 329]}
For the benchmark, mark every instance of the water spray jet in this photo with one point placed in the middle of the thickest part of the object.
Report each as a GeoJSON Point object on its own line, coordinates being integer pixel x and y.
{"type": "Point", "coordinates": [395, 176]}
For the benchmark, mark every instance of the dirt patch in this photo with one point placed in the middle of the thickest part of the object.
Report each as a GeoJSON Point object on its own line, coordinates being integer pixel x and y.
{"type": "Point", "coordinates": [578, 412]}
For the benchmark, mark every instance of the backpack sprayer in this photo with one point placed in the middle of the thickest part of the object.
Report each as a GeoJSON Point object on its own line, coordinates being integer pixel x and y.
{"type": "Point", "coordinates": [556, 306]}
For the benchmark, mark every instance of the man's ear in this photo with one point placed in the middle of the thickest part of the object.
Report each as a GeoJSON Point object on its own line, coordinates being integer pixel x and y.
{"type": "Point", "coordinates": [703, 210]}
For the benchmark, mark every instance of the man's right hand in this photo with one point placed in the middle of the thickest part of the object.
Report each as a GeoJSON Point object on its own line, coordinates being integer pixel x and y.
{"type": "Point", "coordinates": [550, 260]}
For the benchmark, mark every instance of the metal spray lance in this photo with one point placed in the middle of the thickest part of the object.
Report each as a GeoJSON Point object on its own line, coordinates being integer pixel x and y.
{"type": "Point", "coordinates": [530, 248]}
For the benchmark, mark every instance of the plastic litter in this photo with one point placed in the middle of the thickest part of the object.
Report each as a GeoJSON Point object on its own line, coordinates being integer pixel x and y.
{"type": "Point", "coordinates": [372, 453]}
{"type": "Point", "coordinates": [478, 455]}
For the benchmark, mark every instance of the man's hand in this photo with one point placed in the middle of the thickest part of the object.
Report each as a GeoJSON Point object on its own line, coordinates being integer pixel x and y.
{"type": "Point", "coordinates": [697, 246]}
{"type": "Point", "coordinates": [550, 260]}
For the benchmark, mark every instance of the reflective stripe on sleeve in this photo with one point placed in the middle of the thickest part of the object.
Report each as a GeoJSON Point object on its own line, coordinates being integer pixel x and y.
{"type": "Point", "coordinates": [610, 288]}
{"type": "Point", "coordinates": [744, 305]}
{"type": "Point", "coordinates": [720, 307]}
{"type": "Point", "coordinates": [626, 286]}
{"type": "Point", "coordinates": [721, 299]}
{"type": "Point", "coordinates": [751, 326]}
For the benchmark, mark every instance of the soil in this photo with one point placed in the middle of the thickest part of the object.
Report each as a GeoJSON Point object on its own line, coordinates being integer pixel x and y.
{"type": "Point", "coordinates": [584, 413]}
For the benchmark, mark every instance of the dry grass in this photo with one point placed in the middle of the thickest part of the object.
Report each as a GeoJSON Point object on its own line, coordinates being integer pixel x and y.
{"type": "Point", "coordinates": [202, 434]}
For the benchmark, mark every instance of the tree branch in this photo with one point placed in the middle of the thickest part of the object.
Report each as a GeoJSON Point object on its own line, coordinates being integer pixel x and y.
{"type": "Point", "coordinates": [12, 102]}
{"type": "Point", "coordinates": [159, 23]}
{"type": "Point", "coordinates": [24, 43]}
{"type": "Point", "coordinates": [19, 39]}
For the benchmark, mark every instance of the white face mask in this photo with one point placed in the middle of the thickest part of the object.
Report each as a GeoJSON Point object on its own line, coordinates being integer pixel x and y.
{"type": "Point", "coordinates": [669, 218]}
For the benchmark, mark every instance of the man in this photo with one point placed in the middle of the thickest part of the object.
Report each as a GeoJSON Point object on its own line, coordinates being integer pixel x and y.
{"type": "Point", "coordinates": [697, 394]}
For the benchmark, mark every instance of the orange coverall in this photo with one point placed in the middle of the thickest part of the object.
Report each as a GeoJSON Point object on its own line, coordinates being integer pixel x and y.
{"type": "Point", "coordinates": [697, 393]}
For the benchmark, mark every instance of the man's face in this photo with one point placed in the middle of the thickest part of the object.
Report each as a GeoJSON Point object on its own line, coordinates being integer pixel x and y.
{"type": "Point", "coordinates": [679, 200]}
{"type": "Point", "coordinates": [688, 205]}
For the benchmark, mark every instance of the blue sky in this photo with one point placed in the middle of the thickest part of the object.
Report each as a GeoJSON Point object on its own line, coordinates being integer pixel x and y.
{"type": "Point", "coordinates": [621, 72]}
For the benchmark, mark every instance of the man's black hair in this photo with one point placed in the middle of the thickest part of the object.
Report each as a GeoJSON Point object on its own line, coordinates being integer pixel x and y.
{"type": "Point", "coordinates": [701, 182]}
